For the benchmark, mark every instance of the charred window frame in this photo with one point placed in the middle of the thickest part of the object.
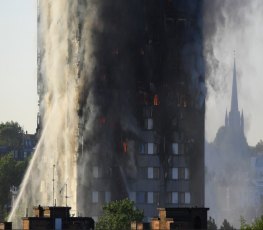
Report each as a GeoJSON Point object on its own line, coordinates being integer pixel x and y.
{"type": "Point", "coordinates": [172, 198]}
{"type": "Point", "coordinates": [140, 197]}
{"type": "Point", "coordinates": [151, 148]}
{"type": "Point", "coordinates": [148, 123]}
{"type": "Point", "coordinates": [153, 173]}
{"type": "Point", "coordinates": [152, 197]}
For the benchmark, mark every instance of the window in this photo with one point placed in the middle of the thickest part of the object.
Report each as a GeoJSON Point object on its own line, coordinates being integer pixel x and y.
{"type": "Point", "coordinates": [147, 111]}
{"type": "Point", "coordinates": [174, 197]}
{"type": "Point", "coordinates": [181, 173]}
{"type": "Point", "coordinates": [150, 148]}
{"type": "Point", "coordinates": [107, 197]}
{"type": "Point", "coordinates": [186, 173]}
{"type": "Point", "coordinates": [152, 173]}
{"type": "Point", "coordinates": [175, 173]}
{"type": "Point", "coordinates": [95, 171]}
{"type": "Point", "coordinates": [187, 197]}
{"type": "Point", "coordinates": [150, 197]}
{"type": "Point", "coordinates": [95, 197]}
{"type": "Point", "coordinates": [25, 154]}
{"type": "Point", "coordinates": [175, 148]}
{"type": "Point", "coordinates": [140, 197]}
{"type": "Point", "coordinates": [148, 123]}
{"type": "Point", "coordinates": [142, 148]}
{"type": "Point", "coordinates": [132, 196]}
{"type": "Point", "coordinates": [182, 197]}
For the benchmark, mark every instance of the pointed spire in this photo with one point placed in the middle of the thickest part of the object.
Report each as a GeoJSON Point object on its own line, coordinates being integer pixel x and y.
{"type": "Point", "coordinates": [242, 121]}
{"type": "Point", "coordinates": [226, 119]}
{"type": "Point", "coordinates": [234, 101]}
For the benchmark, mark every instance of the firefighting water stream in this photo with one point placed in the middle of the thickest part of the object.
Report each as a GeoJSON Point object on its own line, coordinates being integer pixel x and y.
{"type": "Point", "coordinates": [58, 70]}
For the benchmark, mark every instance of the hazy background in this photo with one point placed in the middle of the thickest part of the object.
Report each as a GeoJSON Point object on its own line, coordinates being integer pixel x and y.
{"type": "Point", "coordinates": [18, 63]}
{"type": "Point", "coordinates": [234, 25]}
{"type": "Point", "coordinates": [237, 25]}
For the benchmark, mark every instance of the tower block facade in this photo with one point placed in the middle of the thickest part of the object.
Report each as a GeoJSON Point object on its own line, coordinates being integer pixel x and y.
{"type": "Point", "coordinates": [151, 147]}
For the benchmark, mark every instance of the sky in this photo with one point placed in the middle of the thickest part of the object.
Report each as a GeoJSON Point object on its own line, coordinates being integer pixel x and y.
{"type": "Point", "coordinates": [18, 68]}
{"type": "Point", "coordinates": [18, 42]}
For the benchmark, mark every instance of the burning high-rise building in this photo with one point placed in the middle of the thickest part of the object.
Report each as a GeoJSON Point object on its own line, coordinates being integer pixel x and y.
{"type": "Point", "coordinates": [148, 93]}
{"type": "Point", "coordinates": [122, 93]}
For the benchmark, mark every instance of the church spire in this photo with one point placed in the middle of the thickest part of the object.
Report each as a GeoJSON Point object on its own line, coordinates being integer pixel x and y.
{"type": "Point", "coordinates": [242, 122]}
{"type": "Point", "coordinates": [234, 101]}
{"type": "Point", "coordinates": [226, 119]}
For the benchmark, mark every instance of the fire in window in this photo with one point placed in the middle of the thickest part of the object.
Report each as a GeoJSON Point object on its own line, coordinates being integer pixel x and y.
{"type": "Point", "coordinates": [125, 146]}
{"type": "Point", "coordinates": [156, 100]}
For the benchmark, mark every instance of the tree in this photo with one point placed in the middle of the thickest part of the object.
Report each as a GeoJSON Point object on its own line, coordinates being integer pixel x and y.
{"type": "Point", "coordinates": [257, 224]}
{"type": "Point", "coordinates": [118, 215]}
{"type": "Point", "coordinates": [226, 226]}
{"type": "Point", "coordinates": [211, 225]}
{"type": "Point", "coordinates": [259, 146]}
{"type": "Point", "coordinates": [11, 173]}
{"type": "Point", "coordinates": [11, 135]}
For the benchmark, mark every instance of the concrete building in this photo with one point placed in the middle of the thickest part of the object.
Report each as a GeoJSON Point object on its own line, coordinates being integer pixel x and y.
{"type": "Point", "coordinates": [53, 218]}
{"type": "Point", "coordinates": [175, 218]}
{"type": "Point", "coordinates": [56, 218]}
{"type": "Point", "coordinates": [162, 163]}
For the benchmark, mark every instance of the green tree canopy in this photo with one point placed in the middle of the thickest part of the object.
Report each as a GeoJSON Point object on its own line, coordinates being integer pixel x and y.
{"type": "Point", "coordinates": [259, 146]}
{"type": "Point", "coordinates": [118, 215]}
{"type": "Point", "coordinates": [211, 225]}
{"type": "Point", "coordinates": [11, 135]}
{"type": "Point", "coordinates": [226, 226]}
{"type": "Point", "coordinates": [257, 224]}
{"type": "Point", "coordinates": [11, 173]}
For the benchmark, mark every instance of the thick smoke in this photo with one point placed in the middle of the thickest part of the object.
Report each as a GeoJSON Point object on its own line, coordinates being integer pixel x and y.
{"type": "Point", "coordinates": [228, 26]}
{"type": "Point", "coordinates": [101, 61]}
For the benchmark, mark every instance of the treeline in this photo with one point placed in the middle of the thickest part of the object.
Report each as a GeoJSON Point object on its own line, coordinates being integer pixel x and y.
{"type": "Point", "coordinates": [11, 170]}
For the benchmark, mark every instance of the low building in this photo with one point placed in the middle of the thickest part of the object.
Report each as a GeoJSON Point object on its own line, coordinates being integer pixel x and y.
{"type": "Point", "coordinates": [176, 218]}
{"type": "Point", "coordinates": [53, 218]}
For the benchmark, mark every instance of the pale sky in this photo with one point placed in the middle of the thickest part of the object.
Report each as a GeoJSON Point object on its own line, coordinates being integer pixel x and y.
{"type": "Point", "coordinates": [18, 67]}
{"type": "Point", "coordinates": [18, 39]}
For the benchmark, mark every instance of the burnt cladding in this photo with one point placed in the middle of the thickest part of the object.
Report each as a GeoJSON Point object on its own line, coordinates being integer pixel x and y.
{"type": "Point", "coordinates": [147, 88]}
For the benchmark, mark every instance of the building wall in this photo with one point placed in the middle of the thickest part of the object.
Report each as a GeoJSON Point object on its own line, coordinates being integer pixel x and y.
{"type": "Point", "coordinates": [163, 165]}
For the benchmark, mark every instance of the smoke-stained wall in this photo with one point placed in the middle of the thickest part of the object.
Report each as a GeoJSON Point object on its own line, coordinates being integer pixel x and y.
{"type": "Point", "coordinates": [141, 49]}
